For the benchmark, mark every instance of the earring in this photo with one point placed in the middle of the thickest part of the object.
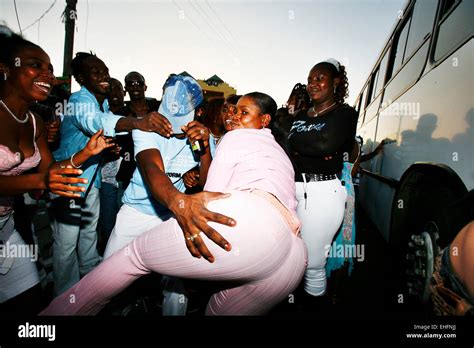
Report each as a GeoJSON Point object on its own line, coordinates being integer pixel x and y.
{"type": "Point", "coordinates": [335, 89]}
{"type": "Point", "coordinates": [4, 76]}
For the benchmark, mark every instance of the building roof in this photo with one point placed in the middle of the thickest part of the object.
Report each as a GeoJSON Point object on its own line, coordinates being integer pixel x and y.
{"type": "Point", "coordinates": [214, 80]}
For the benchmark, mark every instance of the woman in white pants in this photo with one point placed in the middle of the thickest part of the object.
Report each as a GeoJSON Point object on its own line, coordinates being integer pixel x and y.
{"type": "Point", "coordinates": [319, 140]}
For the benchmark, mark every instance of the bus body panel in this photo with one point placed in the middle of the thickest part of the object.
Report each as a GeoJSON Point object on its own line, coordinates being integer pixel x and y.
{"type": "Point", "coordinates": [431, 121]}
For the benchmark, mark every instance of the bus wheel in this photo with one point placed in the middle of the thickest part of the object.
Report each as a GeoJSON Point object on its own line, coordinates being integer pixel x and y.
{"type": "Point", "coordinates": [420, 229]}
{"type": "Point", "coordinates": [419, 260]}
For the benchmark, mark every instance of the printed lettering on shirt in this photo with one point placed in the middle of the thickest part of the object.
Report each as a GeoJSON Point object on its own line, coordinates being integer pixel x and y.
{"type": "Point", "coordinates": [174, 175]}
{"type": "Point", "coordinates": [300, 126]}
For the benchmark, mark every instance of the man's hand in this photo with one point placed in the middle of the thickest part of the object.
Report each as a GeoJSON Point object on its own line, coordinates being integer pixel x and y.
{"type": "Point", "coordinates": [193, 217]}
{"type": "Point", "coordinates": [195, 131]}
{"type": "Point", "coordinates": [191, 178]}
{"type": "Point", "coordinates": [154, 122]}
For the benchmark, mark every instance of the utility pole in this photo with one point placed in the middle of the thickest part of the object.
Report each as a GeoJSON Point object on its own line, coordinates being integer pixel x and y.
{"type": "Point", "coordinates": [69, 17]}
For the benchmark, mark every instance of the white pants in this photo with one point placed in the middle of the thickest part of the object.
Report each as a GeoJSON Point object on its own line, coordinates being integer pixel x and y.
{"type": "Point", "coordinates": [321, 215]}
{"type": "Point", "coordinates": [130, 224]}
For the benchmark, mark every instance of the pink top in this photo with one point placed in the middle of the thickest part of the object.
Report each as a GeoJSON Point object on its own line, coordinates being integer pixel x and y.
{"type": "Point", "coordinates": [252, 159]}
{"type": "Point", "coordinates": [11, 165]}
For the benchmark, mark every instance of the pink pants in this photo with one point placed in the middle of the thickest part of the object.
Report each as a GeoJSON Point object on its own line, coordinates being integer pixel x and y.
{"type": "Point", "coordinates": [265, 265]}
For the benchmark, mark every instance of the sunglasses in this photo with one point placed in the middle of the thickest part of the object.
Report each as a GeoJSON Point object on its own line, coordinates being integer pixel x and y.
{"type": "Point", "coordinates": [135, 83]}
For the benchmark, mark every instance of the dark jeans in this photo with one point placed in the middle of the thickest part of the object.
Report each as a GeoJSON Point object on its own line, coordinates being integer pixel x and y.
{"type": "Point", "coordinates": [110, 203]}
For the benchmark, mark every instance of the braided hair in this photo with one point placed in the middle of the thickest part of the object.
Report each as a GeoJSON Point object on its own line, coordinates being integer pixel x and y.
{"type": "Point", "coordinates": [300, 95]}
{"type": "Point", "coordinates": [77, 64]}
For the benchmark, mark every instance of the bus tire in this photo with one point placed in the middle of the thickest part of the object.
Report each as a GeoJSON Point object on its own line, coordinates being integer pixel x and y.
{"type": "Point", "coordinates": [420, 229]}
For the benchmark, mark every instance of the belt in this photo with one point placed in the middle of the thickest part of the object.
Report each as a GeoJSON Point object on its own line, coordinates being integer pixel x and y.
{"type": "Point", "coordinates": [316, 177]}
{"type": "Point", "coordinates": [290, 217]}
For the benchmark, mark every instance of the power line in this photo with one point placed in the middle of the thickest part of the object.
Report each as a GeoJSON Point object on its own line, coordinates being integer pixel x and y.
{"type": "Point", "coordinates": [41, 17]}
{"type": "Point", "coordinates": [209, 21]}
{"type": "Point", "coordinates": [193, 23]}
{"type": "Point", "coordinates": [17, 18]}
{"type": "Point", "coordinates": [216, 32]}
{"type": "Point", "coordinates": [232, 40]}
{"type": "Point", "coordinates": [222, 22]}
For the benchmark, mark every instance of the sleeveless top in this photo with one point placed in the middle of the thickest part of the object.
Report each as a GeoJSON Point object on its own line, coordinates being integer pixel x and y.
{"type": "Point", "coordinates": [11, 165]}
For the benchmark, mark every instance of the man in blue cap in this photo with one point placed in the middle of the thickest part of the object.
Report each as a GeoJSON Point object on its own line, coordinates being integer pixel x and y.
{"type": "Point", "coordinates": [156, 190]}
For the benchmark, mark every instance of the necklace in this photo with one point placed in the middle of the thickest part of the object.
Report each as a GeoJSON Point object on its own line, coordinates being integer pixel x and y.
{"type": "Point", "coordinates": [13, 115]}
{"type": "Point", "coordinates": [316, 114]}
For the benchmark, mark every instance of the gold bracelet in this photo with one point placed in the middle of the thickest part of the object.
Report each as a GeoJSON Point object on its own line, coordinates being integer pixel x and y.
{"type": "Point", "coordinates": [72, 163]}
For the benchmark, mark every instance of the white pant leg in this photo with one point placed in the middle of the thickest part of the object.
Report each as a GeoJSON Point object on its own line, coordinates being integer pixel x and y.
{"type": "Point", "coordinates": [130, 224]}
{"type": "Point", "coordinates": [175, 300]}
{"type": "Point", "coordinates": [321, 216]}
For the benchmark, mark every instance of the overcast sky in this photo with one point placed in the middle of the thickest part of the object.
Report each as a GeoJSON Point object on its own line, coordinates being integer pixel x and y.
{"type": "Point", "coordinates": [257, 45]}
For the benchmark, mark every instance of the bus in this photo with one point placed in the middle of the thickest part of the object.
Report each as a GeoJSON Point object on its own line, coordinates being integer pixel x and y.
{"type": "Point", "coordinates": [419, 100]}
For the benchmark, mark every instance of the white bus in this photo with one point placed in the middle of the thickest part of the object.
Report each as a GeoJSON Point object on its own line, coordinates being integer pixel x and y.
{"type": "Point", "coordinates": [420, 97]}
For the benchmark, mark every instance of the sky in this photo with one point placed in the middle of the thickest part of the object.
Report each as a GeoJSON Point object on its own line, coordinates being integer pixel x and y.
{"type": "Point", "coordinates": [254, 45]}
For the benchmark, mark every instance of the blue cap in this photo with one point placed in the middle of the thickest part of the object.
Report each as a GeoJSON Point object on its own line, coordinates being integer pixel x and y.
{"type": "Point", "coordinates": [182, 94]}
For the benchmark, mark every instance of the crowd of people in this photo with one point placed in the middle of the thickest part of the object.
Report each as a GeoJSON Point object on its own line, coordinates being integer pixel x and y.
{"type": "Point", "coordinates": [229, 190]}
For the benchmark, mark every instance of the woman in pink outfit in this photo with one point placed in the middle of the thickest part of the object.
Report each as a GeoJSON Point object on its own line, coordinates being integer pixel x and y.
{"type": "Point", "coordinates": [267, 260]}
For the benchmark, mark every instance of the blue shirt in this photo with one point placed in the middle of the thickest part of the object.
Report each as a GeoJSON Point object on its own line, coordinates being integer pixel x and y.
{"type": "Point", "coordinates": [83, 118]}
{"type": "Point", "coordinates": [177, 159]}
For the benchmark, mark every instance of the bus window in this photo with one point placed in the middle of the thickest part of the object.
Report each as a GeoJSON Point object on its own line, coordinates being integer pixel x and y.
{"type": "Point", "coordinates": [399, 49]}
{"type": "Point", "coordinates": [360, 105]}
{"type": "Point", "coordinates": [373, 83]}
{"type": "Point", "coordinates": [421, 25]}
{"type": "Point", "coordinates": [381, 73]}
{"type": "Point", "coordinates": [454, 26]}
{"type": "Point", "coordinates": [363, 99]}
{"type": "Point", "coordinates": [367, 96]}
{"type": "Point", "coordinates": [357, 104]}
